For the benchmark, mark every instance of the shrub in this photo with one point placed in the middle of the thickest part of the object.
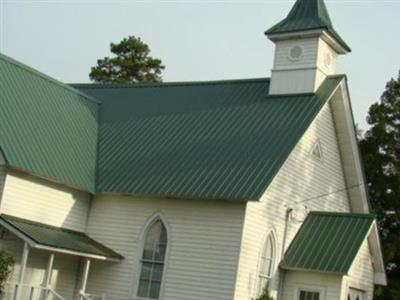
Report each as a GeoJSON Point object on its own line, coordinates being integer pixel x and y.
{"type": "Point", "coordinates": [265, 294]}
{"type": "Point", "coordinates": [6, 265]}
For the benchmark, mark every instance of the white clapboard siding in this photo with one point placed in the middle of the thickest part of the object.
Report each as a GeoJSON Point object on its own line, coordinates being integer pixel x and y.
{"type": "Point", "coordinates": [203, 238]}
{"type": "Point", "coordinates": [309, 57]}
{"type": "Point", "coordinates": [329, 286]}
{"type": "Point", "coordinates": [290, 76]}
{"type": "Point", "coordinates": [327, 58]}
{"type": "Point", "coordinates": [305, 74]}
{"type": "Point", "coordinates": [63, 277]}
{"type": "Point", "coordinates": [39, 200]}
{"type": "Point", "coordinates": [302, 177]}
{"type": "Point", "coordinates": [2, 179]}
{"type": "Point", "coordinates": [361, 275]}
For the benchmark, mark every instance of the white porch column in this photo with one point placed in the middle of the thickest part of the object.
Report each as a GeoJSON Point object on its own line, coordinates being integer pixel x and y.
{"type": "Point", "coordinates": [47, 279]}
{"type": "Point", "coordinates": [22, 271]}
{"type": "Point", "coordinates": [85, 277]}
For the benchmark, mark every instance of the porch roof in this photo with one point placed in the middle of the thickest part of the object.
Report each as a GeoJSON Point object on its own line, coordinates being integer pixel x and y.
{"type": "Point", "coordinates": [46, 237]}
{"type": "Point", "coordinates": [328, 242]}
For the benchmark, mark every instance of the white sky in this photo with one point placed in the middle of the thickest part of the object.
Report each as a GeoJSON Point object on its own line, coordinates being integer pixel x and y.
{"type": "Point", "coordinates": [197, 40]}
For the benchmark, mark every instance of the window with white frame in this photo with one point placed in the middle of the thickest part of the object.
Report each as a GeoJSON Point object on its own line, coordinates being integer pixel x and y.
{"type": "Point", "coordinates": [309, 295]}
{"type": "Point", "coordinates": [356, 294]}
{"type": "Point", "coordinates": [266, 264]}
{"type": "Point", "coordinates": [153, 260]}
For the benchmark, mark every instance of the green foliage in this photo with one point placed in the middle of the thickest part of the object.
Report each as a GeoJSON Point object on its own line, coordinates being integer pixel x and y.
{"type": "Point", "coordinates": [131, 63]}
{"type": "Point", "coordinates": [381, 154]}
{"type": "Point", "coordinates": [6, 264]}
{"type": "Point", "coordinates": [265, 294]}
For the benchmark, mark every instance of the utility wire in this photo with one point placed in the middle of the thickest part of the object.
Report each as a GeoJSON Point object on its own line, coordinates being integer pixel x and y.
{"type": "Point", "coordinates": [328, 194]}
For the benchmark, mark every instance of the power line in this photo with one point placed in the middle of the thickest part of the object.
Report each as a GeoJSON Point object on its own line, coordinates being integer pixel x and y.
{"type": "Point", "coordinates": [331, 193]}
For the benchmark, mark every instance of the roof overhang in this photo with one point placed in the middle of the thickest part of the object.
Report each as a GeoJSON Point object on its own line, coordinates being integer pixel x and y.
{"type": "Point", "coordinates": [315, 33]}
{"type": "Point", "coordinates": [377, 258]}
{"type": "Point", "coordinates": [311, 254]}
{"type": "Point", "coordinates": [3, 160]}
{"type": "Point", "coordinates": [350, 153]}
{"type": "Point", "coordinates": [47, 245]}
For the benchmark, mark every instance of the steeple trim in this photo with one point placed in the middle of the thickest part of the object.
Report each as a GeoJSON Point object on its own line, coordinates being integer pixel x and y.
{"type": "Point", "coordinates": [307, 15]}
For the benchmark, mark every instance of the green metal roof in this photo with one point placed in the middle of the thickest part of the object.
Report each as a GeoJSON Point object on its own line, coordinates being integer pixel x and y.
{"type": "Point", "coordinates": [328, 242]}
{"type": "Point", "coordinates": [307, 15]}
{"type": "Point", "coordinates": [216, 140]}
{"type": "Point", "coordinates": [59, 238]}
{"type": "Point", "coordinates": [46, 127]}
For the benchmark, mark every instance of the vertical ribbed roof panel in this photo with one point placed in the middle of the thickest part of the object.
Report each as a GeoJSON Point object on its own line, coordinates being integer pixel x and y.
{"type": "Point", "coordinates": [217, 140]}
{"type": "Point", "coordinates": [46, 127]}
{"type": "Point", "coordinates": [328, 242]}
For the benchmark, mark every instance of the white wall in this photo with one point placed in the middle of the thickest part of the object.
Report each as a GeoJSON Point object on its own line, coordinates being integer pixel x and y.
{"type": "Point", "coordinates": [35, 199]}
{"type": "Point", "coordinates": [302, 177]}
{"type": "Point", "coordinates": [328, 285]}
{"type": "Point", "coordinates": [361, 274]}
{"type": "Point", "coordinates": [310, 52]}
{"type": "Point", "coordinates": [38, 200]}
{"type": "Point", "coordinates": [204, 240]}
{"type": "Point", "coordinates": [2, 181]}
{"type": "Point", "coordinates": [306, 74]}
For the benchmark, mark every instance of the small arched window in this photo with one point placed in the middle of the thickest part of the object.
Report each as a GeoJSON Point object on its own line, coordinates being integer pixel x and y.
{"type": "Point", "coordinates": [152, 262]}
{"type": "Point", "coordinates": [266, 264]}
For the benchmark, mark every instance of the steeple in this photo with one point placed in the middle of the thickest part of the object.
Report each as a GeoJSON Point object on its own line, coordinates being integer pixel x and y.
{"type": "Point", "coordinates": [307, 15]}
{"type": "Point", "coordinates": [307, 48]}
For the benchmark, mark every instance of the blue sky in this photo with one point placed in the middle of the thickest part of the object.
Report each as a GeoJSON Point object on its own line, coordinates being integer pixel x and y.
{"type": "Point", "coordinates": [197, 40]}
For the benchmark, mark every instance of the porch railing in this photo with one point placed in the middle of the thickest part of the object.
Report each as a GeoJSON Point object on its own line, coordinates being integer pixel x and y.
{"type": "Point", "coordinates": [35, 292]}
{"type": "Point", "coordinates": [85, 296]}
{"type": "Point", "coordinates": [39, 292]}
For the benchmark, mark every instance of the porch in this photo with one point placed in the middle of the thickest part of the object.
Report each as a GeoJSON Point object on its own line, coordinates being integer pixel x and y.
{"type": "Point", "coordinates": [51, 262]}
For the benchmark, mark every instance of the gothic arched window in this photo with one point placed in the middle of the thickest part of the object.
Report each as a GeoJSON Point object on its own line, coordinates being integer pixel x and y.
{"type": "Point", "coordinates": [153, 260]}
{"type": "Point", "coordinates": [266, 264]}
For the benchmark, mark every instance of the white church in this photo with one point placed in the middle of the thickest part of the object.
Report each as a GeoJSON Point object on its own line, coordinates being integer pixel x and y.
{"type": "Point", "coordinates": [210, 190]}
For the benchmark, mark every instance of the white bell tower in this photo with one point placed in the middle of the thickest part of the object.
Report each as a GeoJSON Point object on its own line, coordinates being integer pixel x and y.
{"type": "Point", "coordinates": [306, 49]}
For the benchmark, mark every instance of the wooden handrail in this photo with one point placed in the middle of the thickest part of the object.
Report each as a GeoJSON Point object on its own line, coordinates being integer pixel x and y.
{"type": "Point", "coordinates": [55, 293]}
{"type": "Point", "coordinates": [86, 296]}
{"type": "Point", "coordinates": [32, 289]}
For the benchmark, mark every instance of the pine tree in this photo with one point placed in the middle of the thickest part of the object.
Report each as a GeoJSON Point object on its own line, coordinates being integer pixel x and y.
{"type": "Point", "coordinates": [131, 63]}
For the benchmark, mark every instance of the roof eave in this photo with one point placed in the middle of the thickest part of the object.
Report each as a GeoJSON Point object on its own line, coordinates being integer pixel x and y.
{"type": "Point", "coordinates": [37, 245]}
{"type": "Point", "coordinates": [375, 243]}
{"type": "Point", "coordinates": [176, 197]}
{"type": "Point", "coordinates": [283, 267]}
{"type": "Point", "coordinates": [3, 158]}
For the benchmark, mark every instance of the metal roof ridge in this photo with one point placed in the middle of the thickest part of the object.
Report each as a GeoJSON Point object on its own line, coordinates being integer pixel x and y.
{"type": "Point", "coordinates": [46, 77]}
{"type": "Point", "coordinates": [166, 84]}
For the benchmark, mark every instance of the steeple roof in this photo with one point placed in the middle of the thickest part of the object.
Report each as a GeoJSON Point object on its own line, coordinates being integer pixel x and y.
{"type": "Point", "coordinates": [307, 15]}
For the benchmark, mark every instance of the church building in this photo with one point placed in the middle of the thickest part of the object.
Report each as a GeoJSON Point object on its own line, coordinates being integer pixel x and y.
{"type": "Point", "coordinates": [215, 190]}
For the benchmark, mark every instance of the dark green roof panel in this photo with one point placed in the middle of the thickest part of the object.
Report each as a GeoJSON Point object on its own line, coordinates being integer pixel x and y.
{"type": "Point", "coordinates": [307, 15]}
{"type": "Point", "coordinates": [59, 238]}
{"type": "Point", "coordinates": [46, 127]}
{"type": "Point", "coordinates": [328, 242]}
{"type": "Point", "coordinates": [217, 140]}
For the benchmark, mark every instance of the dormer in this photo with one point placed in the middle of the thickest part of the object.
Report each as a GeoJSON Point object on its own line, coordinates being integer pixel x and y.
{"type": "Point", "coordinates": [306, 49]}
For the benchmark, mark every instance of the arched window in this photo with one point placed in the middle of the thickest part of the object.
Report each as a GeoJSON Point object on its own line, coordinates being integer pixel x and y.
{"type": "Point", "coordinates": [152, 262]}
{"type": "Point", "coordinates": [266, 264]}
